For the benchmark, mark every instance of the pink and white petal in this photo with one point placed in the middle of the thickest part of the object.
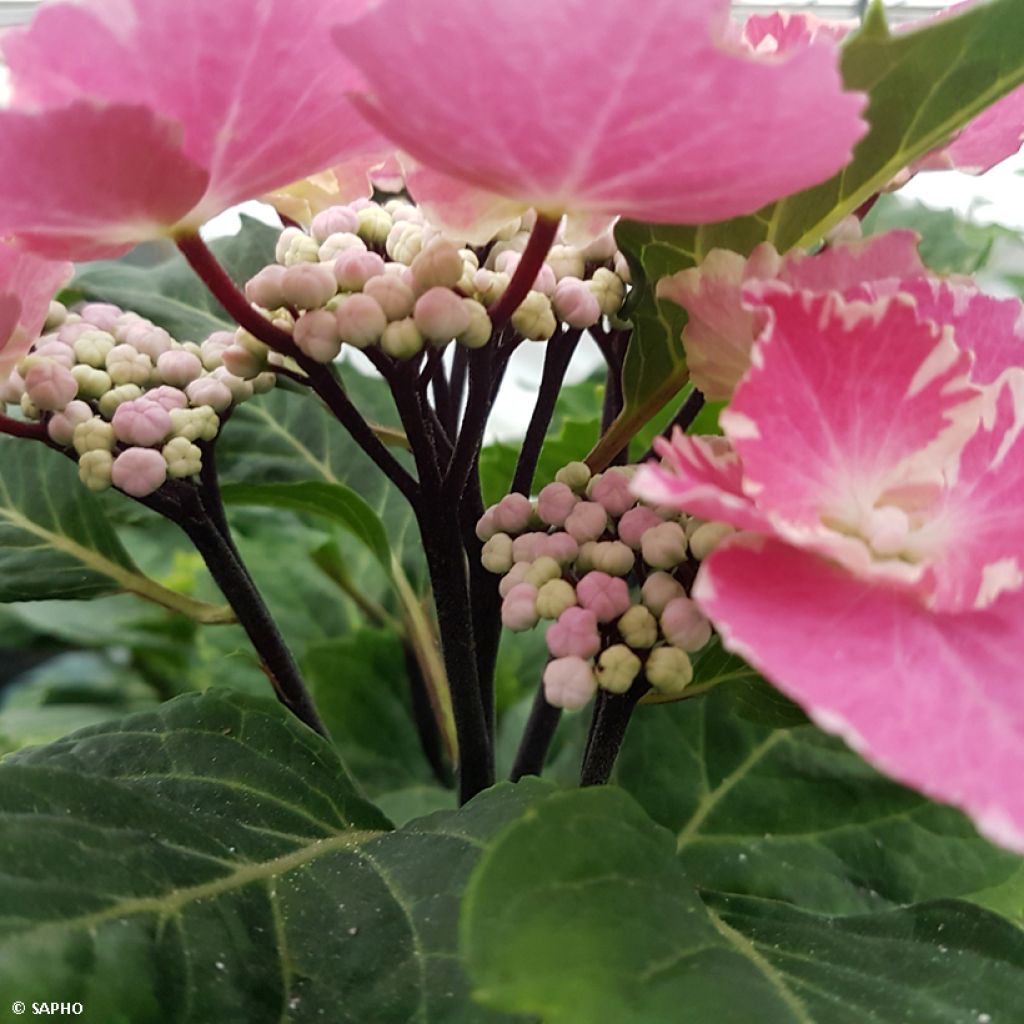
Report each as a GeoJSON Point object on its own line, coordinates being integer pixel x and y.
{"type": "Point", "coordinates": [993, 136]}
{"type": "Point", "coordinates": [990, 328]}
{"type": "Point", "coordinates": [702, 476]}
{"type": "Point", "coordinates": [852, 267]}
{"type": "Point", "coordinates": [27, 285]}
{"type": "Point", "coordinates": [784, 31]}
{"type": "Point", "coordinates": [843, 402]}
{"type": "Point", "coordinates": [976, 534]}
{"type": "Point", "coordinates": [609, 124]}
{"type": "Point", "coordinates": [931, 699]}
{"type": "Point", "coordinates": [88, 181]}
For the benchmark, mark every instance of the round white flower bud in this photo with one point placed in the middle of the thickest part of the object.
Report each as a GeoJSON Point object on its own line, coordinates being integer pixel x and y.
{"type": "Point", "coordinates": [242, 363]}
{"type": "Point", "coordinates": [684, 625]}
{"type": "Point", "coordinates": [612, 557]}
{"type": "Point", "coordinates": [295, 246]}
{"type": "Point", "coordinates": [441, 316]}
{"type": "Point", "coordinates": [402, 339]}
{"type": "Point", "coordinates": [342, 242]}
{"type": "Point", "coordinates": [210, 391]}
{"type": "Point", "coordinates": [575, 476]}
{"type": "Point", "coordinates": [707, 537]}
{"type": "Point", "coordinates": [199, 424]}
{"type": "Point", "coordinates": [109, 402]}
{"type": "Point", "coordinates": [404, 242]}
{"type": "Point", "coordinates": [29, 409]}
{"type": "Point", "coordinates": [535, 319]}
{"type": "Point", "coordinates": [308, 285]}
{"type": "Point", "coordinates": [617, 667]}
{"type": "Point", "coordinates": [658, 589]}
{"type": "Point", "coordinates": [664, 546]}
{"type": "Point", "coordinates": [92, 348]}
{"type": "Point", "coordinates": [668, 669]}
{"type": "Point", "coordinates": [608, 289]}
{"type": "Point", "coordinates": [553, 597]}
{"type": "Point", "coordinates": [496, 556]}
{"type": "Point", "coordinates": [241, 389]}
{"type": "Point", "coordinates": [541, 570]}
{"type": "Point", "coordinates": [183, 458]}
{"type": "Point", "coordinates": [179, 367]}
{"type": "Point", "coordinates": [374, 224]}
{"type": "Point", "coordinates": [354, 269]}
{"type": "Point", "coordinates": [127, 365]}
{"type": "Point", "coordinates": [478, 333]}
{"type": "Point", "coordinates": [212, 350]}
{"type": "Point", "coordinates": [91, 383]}
{"type": "Point", "coordinates": [55, 316]}
{"type": "Point", "coordinates": [437, 265]}
{"type": "Point", "coordinates": [569, 683]}
{"type": "Point", "coordinates": [566, 261]}
{"type": "Point", "coordinates": [360, 320]}
{"type": "Point", "coordinates": [316, 334]}
{"type": "Point", "coordinates": [263, 382]}
{"type": "Point", "coordinates": [95, 469]}
{"type": "Point", "coordinates": [639, 628]}
{"type": "Point", "coordinates": [93, 435]}
{"type": "Point", "coordinates": [489, 286]}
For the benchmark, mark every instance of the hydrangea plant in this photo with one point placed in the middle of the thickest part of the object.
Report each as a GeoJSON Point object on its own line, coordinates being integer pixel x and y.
{"type": "Point", "coordinates": [740, 623]}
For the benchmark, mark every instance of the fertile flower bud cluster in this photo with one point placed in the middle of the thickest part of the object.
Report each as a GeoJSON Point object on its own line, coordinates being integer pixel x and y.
{"type": "Point", "coordinates": [608, 573]}
{"type": "Point", "coordinates": [126, 397]}
{"type": "Point", "coordinates": [372, 274]}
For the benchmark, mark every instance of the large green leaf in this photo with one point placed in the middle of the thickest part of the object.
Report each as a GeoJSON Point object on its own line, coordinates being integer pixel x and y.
{"type": "Point", "coordinates": [922, 86]}
{"type": "Point", "coordinates": [169, 293]}
{"type": "Point", "coordinates": [792, 814]}
{"type": "Point", "coordinates": [56, 542]}
{"type": "Point", "coordinates": [582, 912]}
{"type": "Point", "coordinates": [211, 861]}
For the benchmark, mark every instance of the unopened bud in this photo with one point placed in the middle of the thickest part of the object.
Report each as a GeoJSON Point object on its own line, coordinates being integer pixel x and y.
{"type": "Point", "coordinates": [56, 351]}
{"type": "Point", "coordinates": [664, 546]}
{"type": "Point", "coordinates": [179, 368]}
{"type": "Point", "coordinates": [437, 265]}
{"type": "Point", "coordinates": [638, 628]}
{"type": "Point", "coordinates": [568, 683]}
{"type": "Point", "coordinates": [294, 247]}
{"type": "Point", "coordinates": [316, 334]}
{"type": "Point", "coordinates": [617, 667]}
{"type": "Point", "coordinates": [374, 224]}
{"type": "Point", "coordinates": [61, 426]}
{"type": "Point", "coordinates": [336, 245]}
{"type": "Point", "coordinates": [684, 625]}
{"type": "Point", "coordinates": [91, 382]}
{"type": "Point", "coordinates": [635, 523]}
{"type": "Point", "coordinates": [529, 546]}
{"type": "Point", "coordinates": [263, 382]}
{"type": "Point", "coordinates": [575, 476]}
{"type": "Point", "coordinates": [168, 397]}
{"type": "Point", "coordinates": [308, 285]}
{"type": "Point", "coordinates": [440, 315]}
{"type": "Point", "coordinates": [543, 569]}
{"type": "Point", "coordinates": [611, 556]}
{"type": "Point", "coordinates": [404, 242]}
{"type": "Point", "coordinates": [554, 503]}
{"type": "Point", "coordinates": [601, 248]}
{"type": "Point", "coordinates": [55, 315]}
{"type": "Point", "coordinates": [554, 597]}
{"type": "Point", "coordinates": [513, 513]}
{"type": "Point", "coordinates": [621, 267]}
{"type": "Point", "coordinates": [496, 555]}
{"type": "Point", "coordinates": [126, 365]}
{"type": "Point", "coordinates": [355, 268]}
{"type": "Point", "coordinates": [587, 521]}
{"type": "Point", "coordinates": [668, 669]}
{"type": "Point", "coordinates": [612, 490]}
{"type": "Point", "coordinates": [242, 363]}
{"type": "Point", "coordinates": [334, 220]}
{"type": "Point", "coordinates": [608, 289]}
{"type": "Point", "coordinates": [393, 295]}
{"type": "Point", "coordinates": [241, 389]}
{"type": "Point", "coordinates": [183, 458]}
{"type": "Point", "coordinates": [574, 634]}
{"type": "Point", "coordinates": [519, 608]}
{"type": "Point", "coordinates": [478, 333]}
{"type": "Point", "coordinates": [209, 391]}
{"type": "Point", "coordinates": [146, 338]}
{"type": "Point", "coordinates": [211, 351]}
{"type": "Point", "coordinates": [606, 596]}
{"type": "Point", "coordinates": [562, 547]}
{"type": "Point", "coordinates": [515, 576]}
{"type": "Point", "coordinates": [534, 319]}
{"type": "Point", "coordinates": [402, 339]}
{"type": "Point", "coordinates": [200, 424]}
{"type": "Point", "coordinates": [109, 402]}
{"type": "Point", "coordinates": [707, 537]}
{"type": "Point", "coordinates": [103, 315]}
{"type": "Point", "coordinates": [95, 469]}
{"type": "Point", "coordinates": [266, 287]}
{"type": "Point", "coordinates": [574, 303]}
{"type": "Point", "coordinates": [141, 422]}
{"type": "Point", "coordinates": [361, 321]}
{"type": "Point", "coordinates": [566, 262]}
{"type": "Point", "coordinates": [489, 286]}
{"type": "Point", "coordinates": [139, 471]}
{"type": "Point", "coordinates": [50, 386]}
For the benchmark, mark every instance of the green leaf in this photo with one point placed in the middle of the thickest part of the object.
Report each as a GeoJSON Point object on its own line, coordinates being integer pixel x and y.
{"type": "Point", "coordinates": [169, 293]}
{"type": "Point", "coordinates": [581, 912]}
{"type": "Point", "coordinates": [923, 86]}
{"type": "Point", "coordinates": [792, 814]}
{"type": "Point", "coordinates": [56, 542]}
{"type": "Point", "coordinates": [211, 861]}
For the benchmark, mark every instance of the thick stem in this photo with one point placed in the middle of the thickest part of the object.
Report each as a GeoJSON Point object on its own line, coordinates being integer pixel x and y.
{"type": "Point", "coordinates": [478, 408]}
{"type": "Point", "coordinates": [240, 592]}
{"type": "Point", "coordinates": [556, 361]}
{"type": "Point", "coordinates": [612, 712]}
{"type": "Point", "coordinates": [457, 387]}
{"type": "Point", "coordinates": [536, 251]}
{"type": "Point", "coordinates": [19, 428]}
{"type": "Point", "coordinates": [537, 736]}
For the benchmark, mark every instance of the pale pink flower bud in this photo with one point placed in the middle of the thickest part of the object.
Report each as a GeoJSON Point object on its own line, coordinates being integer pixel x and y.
{"type": "Point", "coordinates": [638, 627]}
{"type": "Point", "coordinates": [529, 546]}
{"type": "Point", "coordinates": [126, 365]}
{"type": "Point", "coordinates": [606, 596]}
{"type": "Point", "coordinates": [109, 402]}
{"type": "Point", "coordinates": [92, 347]}
{"type": "Point", "coordinates": [668, 669]}
{"type": "Point", "coordinates": [707, 537]}
{"type": "Point", "coordinates": [542, 569]}
{"type": "Point", "coordinates": [101, 314]}
{"type": "Point", "coordinates": [684, 625]}
{"type": "Point", "coordinates": [635, 523]}
{"type": "Point", "coordinates": [600, 249]}
{"type": "Point", "coordinates": [263, 382]}
{"type": "Point", "coordinates": [361, 321]}
{"type": "Point", "coordinates": [612, 490]}
{"type": "Point", "coordinates": [316, 334]}
{"type": "Point", "coordinates": [437, 265]}
{"type": "Point", "coordinates": [374, 223]}
{"type": "Point", "coordinates": [266, 288]}
{"type": "Point", "coordinates": [394, 296]}
{"type": "Point", "coordinates": [574, 634]}
{"type": "Point", "coordinates": [241, 363]}
{"type": "Point", "coordinates": [611, 556]}
{"type": "Point", "coordinates": [179, 368]}
{"type": "Point", "coordinates": [496, 555]}
{"type": "Point", "coordinates": [208, 391]}
{"type": "Point", "coordinates": [332, 221]}
{"type": "Point", "coordinates": [95, 469]}
{"type": "Point", "coordinates": [141, 422]}
{"type": "Point", "coordinates": [337, 244]}
{"type": "Point", "coordinates": [617, 667]}
{"type": "Point", "coordinates": [513, 513]}
{"type": "Point", "coordinates": [515, 576]}
{"type": "Point", "coordinates": [295, 246]}
{"type": "Point", "coordinates": [566, 261]}
{"type": "Point", "coordinates": [148, 339]}
{"type": "Point", "coordinates": [183, 458]}
{"type": "Point", "coordinates": [355, 267]}
{"type": "Point", "coordinates": [554, 597]}
{"type": "Point", "coordinates": [485, 526]}
{"type": "Point", "coordinates": [139, 471]}
{"type": "Point", "coordinates": [575, 304]}
{"type": "Point", "coordinates": [167, 397]}
{"type": "Point", "coordinates": [664, 546]}
{"type": "Point", "coordinates": [575, 476]}
{"type": "Point", "coordinates": [403, 211]}
{"type": "Point", "coordinates": [562, 547]}
{"type": "Point", "coordinates": [212, 350]}
{"type": "Point", "coordinates": [402, 339]}
{"type": "Point", "coordinates": [57, 351]}
{"type": "Point", "coordinates": [241, 390]}
{"type": "Point", "coordinates": [478, 333]}
{"type": "Point", "coordinates": [554, 503]}
{"type": "Point", "coordinates": [440, 315]}
{"type": "Point", "coordinates": [308, 286]}
{"type": "Point", "coordinates": [519, 608]}
{"type": "Point", "coordinates": [72, 330]}
{"type": "Point", "coordinates": [568, 683]}
{"type": "Point", "coordinates": [61, 427]}
{"type": "Point", "coordinates": [49, 385]}
{"type": "Point", "coordinates": [535, 319]}
{"type": "Point", "coordinates": [92, 435]}
{"type": "Point", "coordinates": [608, 289]}
{"type": "Point", "coordinates": [587, 521]}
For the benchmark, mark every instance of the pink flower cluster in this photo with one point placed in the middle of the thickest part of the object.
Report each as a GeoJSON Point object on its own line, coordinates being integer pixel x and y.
{"type": "Point", "coordinates": [873, 460]}
{"type": "Point", "coordinates": [609, 574]}
{"type": "Point", "coordinates": [131, 402]}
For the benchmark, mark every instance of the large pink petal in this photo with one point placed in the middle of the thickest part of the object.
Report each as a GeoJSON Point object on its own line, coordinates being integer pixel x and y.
{"type": "Point", "coordinates": [576, 105]}
{"type": "Point", "coordinates": [992, 329]}
{"type": "Point", "coordinates": [844, 402]}
{"type": "Point", "coordinates": [27, 284]}
{"type": "Point", "coordinates": [86, 181]}
{"type": "Point", "coordinates": [258, 90]}
{"type": "Point", "coordinates": [990, 138]}
{"type": "Point", "coordinates": [935, 700]}
{"type": "Point", "coordinates": [702, 476]}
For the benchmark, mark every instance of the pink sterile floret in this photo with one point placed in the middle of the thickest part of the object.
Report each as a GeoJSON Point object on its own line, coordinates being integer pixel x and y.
{"type": "Point", "coordinates": [612, 490]}
{"type": "Point", "coordinates": [574, 634]}
{"type": "Point", "coordinates": [139, 471]}
{"type": "Point", "coordinates": [606, 596]}
{"type": "Point", "coordinates": [179, 368]}
{"type": "Point", "coordinates": [569, 683]}
{"type": "Point", "coordinates": [141, 421]}
{"type": "Point", "coordinates": [519, 608]}
{"type": "Point", "coordinates": [49, 385]}
{"type": "Point", "coordinates": [554, 503]}
{"type": "Point", "coordinates": [676, 161]}
{"type": "Point", "coordinates": [168, 148]}
{"type": "Point", "coordinates": [635, 523]}
{"type": "Point", "coordinates": [27, 284]}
